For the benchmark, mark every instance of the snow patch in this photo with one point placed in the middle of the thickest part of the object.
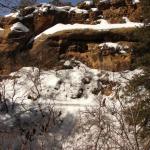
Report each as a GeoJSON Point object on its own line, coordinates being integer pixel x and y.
{"type": "Point", "coordinates": [67, 63]}
{"type": "Point", "coordinates": [122, 52]}
{"type": "Point", "coordinates": [135, 1]}
{"type": "Point", "coordinates": [14, 15]}
{"type": "Point", "coordinates": [67, 8]}
{"type": "Point", "coordinates": [104, 1]}
{"type": "Point", "coordinates": [88, 3]}
{"type": "Point", "coordinates": [110, 45]}
{"type": "Point", "coordinates": [126, 19]}
{"type": "Point", "coordinates": [19, 27]}
{"type": "Point", "coordinates": [94, 9]}
{"type": "Point", "coordinates": [115, 46]}
{"type": "Point", "coordinates": [1, 29]}
{"type": "Point", "coordinates": [78, 11]}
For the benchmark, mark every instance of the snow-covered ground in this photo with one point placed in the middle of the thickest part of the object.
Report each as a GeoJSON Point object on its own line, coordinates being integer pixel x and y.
{"type": "Point", "coordinates": [62, 86]}
{"type": "Point", "coordinates": [72, 91]}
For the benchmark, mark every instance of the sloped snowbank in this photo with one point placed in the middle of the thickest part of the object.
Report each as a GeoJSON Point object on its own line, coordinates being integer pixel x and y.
{"type": "Point", "coordinates": [70, 90]}
{"type": "Point", "coordinates": [63, 86]}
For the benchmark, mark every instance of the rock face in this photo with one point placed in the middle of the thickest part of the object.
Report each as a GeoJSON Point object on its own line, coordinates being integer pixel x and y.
{"type": "Point", "coordinates": [18, 49]}
{"type": "Point", "coordinates": [84, 46]}
{"type": "Point", "coordinates": [116, 9]}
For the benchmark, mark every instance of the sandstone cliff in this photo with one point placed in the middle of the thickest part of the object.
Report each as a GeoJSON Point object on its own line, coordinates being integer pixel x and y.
{"type": "Point", "coordinates": [18, 46]}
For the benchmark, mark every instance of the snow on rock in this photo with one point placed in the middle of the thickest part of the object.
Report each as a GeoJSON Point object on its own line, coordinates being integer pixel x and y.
{"type": "Point", "coordinates": [19, 27]}
{"type": "Point", "coordinates": [104, 1]}
{"type": "Point", "coordinates": [98, 27]}
{"type": "Point", "coordinates": [110, 45]}
{"type": "Point", "coordinates": [94, 9]}
{"type": "Point", "coordinates": [14, 15]}
{"type": "Point", "coordinates": [122, 52]}
{"type": "Point", "coordinates": [44, 7]}
{"type": "Point", "coordinates": [107, 1]}
{"type": "Point", "coordinates": [126, 20]}
{"type": "Point", "coordinates": [115, 46]}
{"type": "Point", "coordinates": [59, 9]}
{"type": "Point", "coordinates": [135, 1]}
{"type": "Point", "coordinates": [67, 63]}
{"type": "Point", "coordinates": [88, 3]}
{"type": "Point", "coordinates": [1, 29]}
{"type": "Point", "coordinates": [67, 8]}
{"type": "Point", "coordinates": [103, 21]}
{"type": "Point", "coordinates": [78, 11]}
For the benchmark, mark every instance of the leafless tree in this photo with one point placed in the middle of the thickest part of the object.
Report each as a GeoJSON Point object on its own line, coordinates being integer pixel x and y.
{"type": "Point", "coordinates": [108, 126]}
{"type": "Point", "coordinates": [41, 120]}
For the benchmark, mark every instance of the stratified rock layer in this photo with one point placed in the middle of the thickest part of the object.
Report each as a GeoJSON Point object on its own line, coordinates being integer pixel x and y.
{"type": "Point", "coordinates": [17, 48]}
